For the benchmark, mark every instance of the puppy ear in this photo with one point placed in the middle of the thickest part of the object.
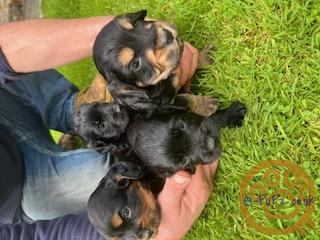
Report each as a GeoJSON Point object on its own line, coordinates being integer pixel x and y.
{"type": "Point", "coordinates": [128, 20]}
{"type": "Point", "coordinates": [140, 15]}
{"type": "Point", "coordinates": [124, 172]}
{"type": "Point", "coordinates": [96, 92]}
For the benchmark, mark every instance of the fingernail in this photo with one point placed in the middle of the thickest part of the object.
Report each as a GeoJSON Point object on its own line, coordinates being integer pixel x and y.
{"type": "Point", "coordinates": [180, 179]}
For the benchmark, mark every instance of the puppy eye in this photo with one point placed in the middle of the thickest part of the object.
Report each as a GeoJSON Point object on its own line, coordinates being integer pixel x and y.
{"type": "Point", "coordinates": [116, 116]}
{"type": "Point", "coordinates": [125, 213]}
{"type": "Point", "coordinates": [136, 63]}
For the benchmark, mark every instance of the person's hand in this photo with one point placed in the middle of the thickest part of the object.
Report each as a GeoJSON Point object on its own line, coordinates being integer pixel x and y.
{"type": "Point", "coordinates": [183, 199]}
{"type": "Point", "coordinates": [188, 65]}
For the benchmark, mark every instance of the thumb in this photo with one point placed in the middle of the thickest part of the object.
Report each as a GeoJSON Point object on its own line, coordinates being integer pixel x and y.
{"type": "Point", "coordinates": [174, 189]}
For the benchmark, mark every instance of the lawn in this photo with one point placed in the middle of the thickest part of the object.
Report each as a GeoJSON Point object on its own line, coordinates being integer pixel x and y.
{"type": "Point", "coordinates": [267, 55]}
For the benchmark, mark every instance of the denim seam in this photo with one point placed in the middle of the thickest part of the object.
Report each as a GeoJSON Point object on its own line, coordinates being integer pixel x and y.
{"type": "Point", "coordinates": [24, 138]}
{"type": "Point", "coordinates": [73, 109]}
{"type": "Point", "coordinates": [21, 136]}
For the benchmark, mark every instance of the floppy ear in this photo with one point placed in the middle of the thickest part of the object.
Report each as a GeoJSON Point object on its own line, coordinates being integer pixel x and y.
{"type": "Point", "coordinates": [96, 92]}
{"type": "Point", "coordinates": [124, 172]}
{"type": "Point", "coordinates": [127, 21]}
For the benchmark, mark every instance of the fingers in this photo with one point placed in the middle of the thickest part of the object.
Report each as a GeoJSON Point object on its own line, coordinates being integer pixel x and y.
{"type": "Point", "coordinates": [183, 199]}
{"type": "Point", "coordinates": [211, 168]}
{"type": "Point", "coordinates": [188, 64]}
{"type": "Point", "coordinates": [201, 184]}
{"type": "Point", "coordinates": [173, 190]}
{"type": "Point", "coordinates": [194, 55]}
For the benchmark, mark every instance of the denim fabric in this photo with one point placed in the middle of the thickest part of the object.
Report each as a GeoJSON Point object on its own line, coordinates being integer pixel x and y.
{"type": "Point", "coordinates": [57, 182]}
{"type": "Point", "coordinates": [69, 227]}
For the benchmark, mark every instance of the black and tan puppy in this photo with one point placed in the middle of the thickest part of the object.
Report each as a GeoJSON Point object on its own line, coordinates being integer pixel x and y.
{"type": "Point", "coordinates": [137, 57]}
{"type": "Point", "coordinates": [123, 205]}
{"type": "Point", "coordinates": [165, 142]}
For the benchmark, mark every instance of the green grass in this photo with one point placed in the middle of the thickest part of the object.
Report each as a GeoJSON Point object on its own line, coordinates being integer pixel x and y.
{"type": "Point", "coordinates": [267, 54]}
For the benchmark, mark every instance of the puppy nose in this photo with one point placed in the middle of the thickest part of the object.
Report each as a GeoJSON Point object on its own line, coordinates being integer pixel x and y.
{"type": "Point", "coordinates": [210, 143]}
{"type": "Point", "coordinates": [117, 108]}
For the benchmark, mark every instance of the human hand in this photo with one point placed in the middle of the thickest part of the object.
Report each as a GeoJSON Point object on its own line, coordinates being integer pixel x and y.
{"type": "Point", "coordinates": [182, 201]}
{"type": "Point", "coordinates": [188, 65]}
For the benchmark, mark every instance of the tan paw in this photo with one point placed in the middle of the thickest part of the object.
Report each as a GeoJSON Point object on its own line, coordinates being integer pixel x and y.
{"type": "Point", "coordinates": [204, 105]}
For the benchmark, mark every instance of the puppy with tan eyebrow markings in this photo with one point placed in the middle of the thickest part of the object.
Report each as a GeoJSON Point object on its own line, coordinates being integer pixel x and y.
{"type": "Point", "coordinates": [137, 57]}
{"type": "Point", "coordinates": [124, 205]}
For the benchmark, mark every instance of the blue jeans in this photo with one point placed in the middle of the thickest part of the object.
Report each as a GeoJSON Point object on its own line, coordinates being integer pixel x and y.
{"type": "Point", "coordinates": [57, 182]}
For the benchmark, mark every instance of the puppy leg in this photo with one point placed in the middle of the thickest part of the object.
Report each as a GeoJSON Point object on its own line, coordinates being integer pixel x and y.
{"type": "Point", "coordinates": [132, 97]}
{"type": "Point", "coordinates": [70, 142]}
{"type": "Point", "coordinates": [201, 105]}
{"type": "Point", "coordinates": [232, 116]}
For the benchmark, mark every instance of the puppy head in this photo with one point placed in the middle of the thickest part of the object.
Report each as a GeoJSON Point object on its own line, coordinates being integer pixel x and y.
{"type": "Point", "coordinates": [137, 52]}
{"type": "Point", "coordinates": [122, 206]}
{"type": "Point", "coordinates": [167, 143]}
{"type": "Point", "coordinates": [99, 124]}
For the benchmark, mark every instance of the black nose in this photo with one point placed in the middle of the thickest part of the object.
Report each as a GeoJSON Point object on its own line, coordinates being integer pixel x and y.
{"type": "Point", "coordinates": [210, 144]}
{"type": "Point", "coordinates": [169, 36]}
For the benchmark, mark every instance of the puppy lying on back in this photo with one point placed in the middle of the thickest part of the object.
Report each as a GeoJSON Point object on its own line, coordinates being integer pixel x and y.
{"type": "Point", "coordinates": [165, 142]}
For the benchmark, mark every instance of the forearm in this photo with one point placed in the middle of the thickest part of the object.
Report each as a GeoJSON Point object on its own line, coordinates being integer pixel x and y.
{"type": "Point", "coordinates": [41, 44]}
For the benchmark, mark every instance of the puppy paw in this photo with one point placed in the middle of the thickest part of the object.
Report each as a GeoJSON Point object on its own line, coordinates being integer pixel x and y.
{"type": "Point", "coordinates": [236, 113]}
{"type": "Point", "coordinates": [203, 105]}
{"type": "Point", "coordinates": [204, 57]}
{"type": "Point", "coordinates": [68, 141]}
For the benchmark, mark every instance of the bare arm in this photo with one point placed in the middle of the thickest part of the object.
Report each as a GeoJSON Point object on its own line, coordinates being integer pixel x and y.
{"type": "Point", "coordinates": [41, 44]}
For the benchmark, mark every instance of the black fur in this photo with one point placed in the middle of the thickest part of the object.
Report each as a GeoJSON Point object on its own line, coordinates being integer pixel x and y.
{"type": "Point", "coordinates": [167, 142]}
